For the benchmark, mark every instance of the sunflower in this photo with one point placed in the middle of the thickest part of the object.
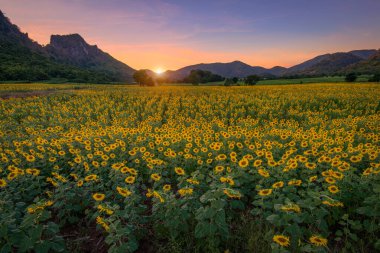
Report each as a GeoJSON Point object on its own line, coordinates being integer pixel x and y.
{"type": "Point", "coordinates": [279, 184]}
{"type": "Point", "coordinates": [263, 173]}
{"type": "Point", "coordinates": [355, 159]}
{"type": "Point", "coordinates": [232, 193]}
{"type": "Point", "coordinates": [333, 189]}
{"type": "Point", "coordinates": [30, 158]}
{"type": "Point", "coordinates": [291, 208]}
{"type": "Point", "coordinates": [156, 177]}
{"type": "Point", "coordinates": [312, 178]}
{"type": "Point", "coordinates": [367, 171]}
{"type": "Point", "coordinates": [318, 241]}
{"type": "Point", "coordinates": [227, 180]}
{"type": "Point", "coordinates": [123, 192]}
{"type": "Point", "coordinates": [34, 172]}
{"type": "Point", "coordinates": [167, 187]}
{"type": "Point", "coordinates": [179, 171]}
{"type": "Point", "coordinates": [123, 169]}
{"type": "Point", "coordinates": [91, 177]}
{"type": "Point", "coordinates": [243, 163]}
{"type": "Point", "coordinates": [295, 182]}
{"type": "Point", "coordinates": [310, 166]}
{"type": "Point", "coordinates": [192, 181]}
{"type": "Point", "coordinates": [330, 180]}
{"type": "Point", "coordinates": [257, 163]}
{"type": "Point", "coordinates": [132, 171]}
{"type": "Point", "coordinates": [104, 209]}
{"type": "Point", "coordinates": [130, 179]}
{"type": "Point", "coordinates": [12, 176]}
{"type": "Point", "coordinates": [265, 192]}
{"type": "Point", "coordinates": [100, 221]}
{"type": "Point", "coordinates": [337, 175]}
{"type": "Point", "coordinates": [98, 196]}
{"type": "Point", "coordinates": [221, 157]}
{"type": "Point", "coordinates": [219, 169]}
{"type": "Point", "coordinates": [185, 191]}
{"type": "Point", "coordinates": [282, 240]}
{"type": "Point", "coordinates": [329, 203]}
{"type": "Point", "coordinates": [3, 183]}
{"type": "Point", "coordinates": [80, 183]}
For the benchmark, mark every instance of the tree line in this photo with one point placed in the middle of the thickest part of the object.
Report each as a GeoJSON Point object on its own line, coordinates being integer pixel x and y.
{"type": "Point", "coordinates": [196, 77]}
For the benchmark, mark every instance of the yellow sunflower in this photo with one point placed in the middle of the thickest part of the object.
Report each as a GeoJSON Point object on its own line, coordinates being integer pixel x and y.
{"type": "Point", "coordinates": [312, 178]}
{"type": "Point", "coordinates": [80, 183]}
{"type": "Point", "coordinates": [91, 177]}
{"type": "Point", "coordinates": [318, 241]}
{"type": "Point", "coordinates": [179, 171]}
{"type": "Point", "coordinates": [219, 169]}
{"type": "Point", "coordinates": [156, 177]}
{"type": "Point", "coordinates": [3, 183]}
{"type": "Point", "coordinates": [265, 192]}
{"type": "Point", "coordinates": [243, 163]}
{"type": "Point", "coordinates": [330, 180]}
{"type": "Point", "coordinates": [333, 189]}
{"type": "Point", "coordinates": [295, 182]}
{"type": "Point", "coordinates": [166, 187]}
{"type": "Point", "coordinates": [279, 184]}
{"type": "Point", "coordinates": [282, 240]}
{"type": "Point", "coordinates": [123, 192]}
{"type": "Point", "coordinates": [98, 196]}
{"type": "Point", "coordinates": [130, 180]}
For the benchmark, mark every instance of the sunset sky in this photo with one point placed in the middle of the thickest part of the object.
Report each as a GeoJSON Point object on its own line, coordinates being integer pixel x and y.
{"type": "Point", "coordinates": [170, 34]}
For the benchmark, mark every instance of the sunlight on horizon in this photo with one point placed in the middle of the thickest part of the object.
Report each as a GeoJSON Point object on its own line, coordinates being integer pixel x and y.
{"type": "Point", "coordinates": [159, 71]}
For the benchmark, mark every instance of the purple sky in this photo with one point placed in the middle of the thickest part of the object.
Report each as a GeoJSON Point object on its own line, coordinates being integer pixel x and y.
{"type": "Point", "coordinates": [170, 34]}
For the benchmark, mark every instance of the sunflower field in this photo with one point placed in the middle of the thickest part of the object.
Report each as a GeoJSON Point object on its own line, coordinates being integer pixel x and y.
{"type": "Point", "coordinates": [290, 168]}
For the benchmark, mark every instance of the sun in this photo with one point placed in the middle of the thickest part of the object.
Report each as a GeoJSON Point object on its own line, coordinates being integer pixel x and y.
{"type": "Point", "coordinates": [159, 71]}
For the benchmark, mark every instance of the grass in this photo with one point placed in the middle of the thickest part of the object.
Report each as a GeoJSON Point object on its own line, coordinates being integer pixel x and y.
{"type": "Point", "coordinates": [326, 79]}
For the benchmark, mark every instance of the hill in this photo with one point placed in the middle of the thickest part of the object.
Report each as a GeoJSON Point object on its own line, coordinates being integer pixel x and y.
{"type": "Point", "coordinates": [66, 57]}
{"type": "Point", "coordinates": [231, 69]}
{"type": "Point", "coordinates": [329, 64]}
{"type": "Point", "coordinates": [75, 51]}
{"type": "Point", "coordinates": [369, 66]}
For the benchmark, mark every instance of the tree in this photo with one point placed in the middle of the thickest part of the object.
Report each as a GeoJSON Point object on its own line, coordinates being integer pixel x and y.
{"type": "Point", "coordinates": [198, 76]}
{"type": "Point", "coordinates": [228, 82]}
{"type": "Point", "coordinates": [252, 79]}
{"type": "Point", "coordinates": [195, 77]}
{"type": "Point", "coordinates": [143, 79]}
{"type": "Point", "coordinates": [351, 77]}
{"type": "Point", "coordinates": [235, 79]}
{"type": "Point", "coordinates": [375, 78]}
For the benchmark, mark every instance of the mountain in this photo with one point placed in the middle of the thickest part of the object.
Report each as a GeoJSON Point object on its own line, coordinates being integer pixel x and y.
{"type": "Point", "coordinates": [10, 33]}
{"type": "Point", "coordinates": [231, 69]}
{"type": "Point", "coordinates": [329, 64]}
{"type": "Point", "coordinates": [364, 54]}
{"type": "Point", "coordinates": [368, 66]}
{"type": "Point", "coordinates": [75, 51]}
{"type": "Point", "coordinates": [66, 57]}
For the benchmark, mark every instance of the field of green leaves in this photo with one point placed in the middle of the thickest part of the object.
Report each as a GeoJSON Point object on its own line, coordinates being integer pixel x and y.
{"type": "Point", "coordinates": [191, 169]}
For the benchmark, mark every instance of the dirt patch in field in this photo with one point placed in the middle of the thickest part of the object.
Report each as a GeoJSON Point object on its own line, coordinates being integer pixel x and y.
{"type": "Point", "coordinates": [25, 94]}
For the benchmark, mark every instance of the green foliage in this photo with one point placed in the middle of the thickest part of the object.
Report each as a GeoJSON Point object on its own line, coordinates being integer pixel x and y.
{"type": "Point", "coordinates": [109, 135]}
{"type": "Point", "coordinates": [375, 78]}
{"type": "Point", "coordinates": [18, 63]}
{"type": "Point", "coordinates": [228, 82]}
{"type": "Point", "coordinates": [252, 79]}
{"type": "Point", "coordinates": [200, 76]}
{"type": "Point", "coordinates": [351, 77]}
{"type": "Point", "coordinates": [143, 79]}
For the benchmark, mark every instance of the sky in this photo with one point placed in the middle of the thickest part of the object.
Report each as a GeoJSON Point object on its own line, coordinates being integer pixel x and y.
{"type": "Point", "coordinates": [170, 34]}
